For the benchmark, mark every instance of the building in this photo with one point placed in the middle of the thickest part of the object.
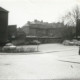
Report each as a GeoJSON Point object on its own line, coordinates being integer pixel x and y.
{"type": "Point", "coordinates": [12, 32]}
{"type": "Point", "coordinates": [45, 32]}
{"type": "Point", "coordinates": [41, 30]}
{"type": "Point", "coordinates": [20, 37]}
{"type": "Point", "coordinates": [3, 26]}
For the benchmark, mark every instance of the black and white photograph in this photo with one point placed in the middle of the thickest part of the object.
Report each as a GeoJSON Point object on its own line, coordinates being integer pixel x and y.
{"type": "Point", "coordinates": [39, 39]}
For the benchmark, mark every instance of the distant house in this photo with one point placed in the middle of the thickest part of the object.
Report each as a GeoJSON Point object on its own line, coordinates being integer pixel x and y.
{"type": "Point", "coordinates": [3, 26]}
{"type": "Point", "coordinates": [45, 32]}
{"type": "Point", "coordinates": [12, 32]}
{"type": "Point", "coordinates": [20, 34]}
{"type": "Point", "coordinates": [41, 30]}
{"type": "Point", "coordinates": [20, 37]}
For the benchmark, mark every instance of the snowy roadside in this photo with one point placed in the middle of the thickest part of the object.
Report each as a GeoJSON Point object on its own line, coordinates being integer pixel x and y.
{"type": "Point", "coordinates": [62, 64]}
{"type": "Point", "coordinates": [71, 59]}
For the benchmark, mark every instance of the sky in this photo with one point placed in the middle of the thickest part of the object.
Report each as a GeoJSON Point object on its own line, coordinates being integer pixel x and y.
{"type": "Point", "coordinates": [21, 11]}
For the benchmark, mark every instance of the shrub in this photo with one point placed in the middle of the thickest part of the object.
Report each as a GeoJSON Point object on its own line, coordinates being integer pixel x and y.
{"type": "Point", "coordinates": [18, 50]}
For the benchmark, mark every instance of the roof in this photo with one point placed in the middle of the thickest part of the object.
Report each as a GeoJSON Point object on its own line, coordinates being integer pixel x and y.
{"type": "Point", "coordinates": [26, 24]}
{"type": "Point", "coordinates": [39, 25]}
{"type": "Point", "coordinates": [3, 10]}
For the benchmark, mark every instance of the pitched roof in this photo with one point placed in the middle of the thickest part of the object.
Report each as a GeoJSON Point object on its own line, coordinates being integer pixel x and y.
{"type": "Point", "coordinates": [43, 26]}
{"type": "Point", "coordinates": [3, 10]}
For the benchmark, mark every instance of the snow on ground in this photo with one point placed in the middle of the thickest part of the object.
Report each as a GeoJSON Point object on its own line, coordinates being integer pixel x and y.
{"type": "Point", "coordinates": [58, 62]}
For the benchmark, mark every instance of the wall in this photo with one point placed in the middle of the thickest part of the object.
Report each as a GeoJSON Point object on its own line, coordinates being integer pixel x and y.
{"type": "Point", "coordinates": [3, 27]}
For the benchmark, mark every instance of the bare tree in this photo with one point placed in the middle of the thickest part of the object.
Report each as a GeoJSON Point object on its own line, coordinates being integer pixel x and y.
{"type": "Point", "coordinates": [72, 18]}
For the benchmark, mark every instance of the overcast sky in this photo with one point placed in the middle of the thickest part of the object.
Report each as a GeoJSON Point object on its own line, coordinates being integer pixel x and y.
{"type": "Point", "coordinates": [21, 11]}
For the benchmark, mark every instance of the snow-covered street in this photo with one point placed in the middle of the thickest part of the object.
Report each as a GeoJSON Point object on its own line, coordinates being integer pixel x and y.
{"type": "Point", "coordinates": [54, 61]}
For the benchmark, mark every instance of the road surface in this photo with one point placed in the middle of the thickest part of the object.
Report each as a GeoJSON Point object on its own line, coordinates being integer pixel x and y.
{"type": "Point", "coordinates": [55, 61]}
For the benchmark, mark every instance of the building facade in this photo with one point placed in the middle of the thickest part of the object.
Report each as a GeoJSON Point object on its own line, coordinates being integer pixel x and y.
{"type": "Point", "coordinates": [3, 26]}
{"type": "Point", "coordinates": [12, 32]}
{"type": "Point", "coordinates": [43, 31]}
